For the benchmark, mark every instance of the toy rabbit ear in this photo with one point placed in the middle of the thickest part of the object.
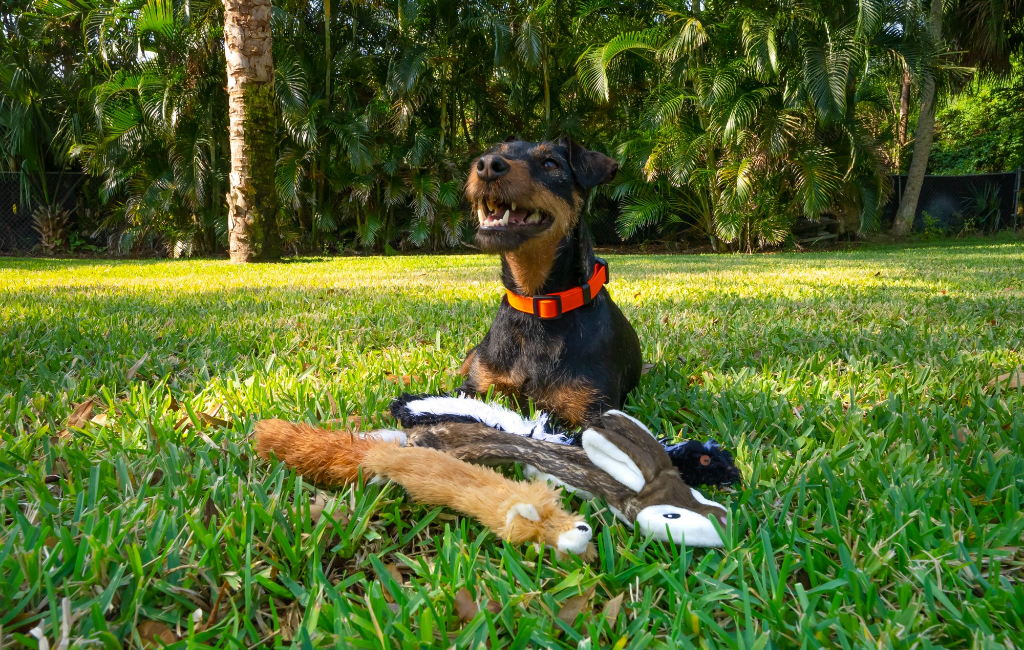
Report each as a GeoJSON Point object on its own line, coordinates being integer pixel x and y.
{"type": "Point", "coordinates": [637, 441]}
{"type": "Point", "coordinates": [606, 455]}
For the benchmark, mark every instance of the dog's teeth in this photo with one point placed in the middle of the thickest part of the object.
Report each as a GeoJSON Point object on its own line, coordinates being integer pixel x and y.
{"type": "Point", "coordinates": [534, 218]}
{"type": "Point", "coordinates": [504, 220]}
{"type": "Point", "coordinates": [491, 205]}
{"type": "Point", "coordinates": [513, 206]}
{"type": "Point", "coordinates": [480, 212]}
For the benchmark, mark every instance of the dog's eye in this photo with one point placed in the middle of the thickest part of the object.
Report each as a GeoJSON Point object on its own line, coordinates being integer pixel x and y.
{"type": "Point", "coordinates": [550, 164]}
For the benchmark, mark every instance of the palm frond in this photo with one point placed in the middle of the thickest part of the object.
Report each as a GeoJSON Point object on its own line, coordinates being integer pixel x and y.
{"type": "Point", "coordinates": [592, 65]}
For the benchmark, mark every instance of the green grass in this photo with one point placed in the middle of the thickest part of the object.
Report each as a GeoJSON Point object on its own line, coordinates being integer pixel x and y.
{"type": "Point", "coordinates": [883, 476]}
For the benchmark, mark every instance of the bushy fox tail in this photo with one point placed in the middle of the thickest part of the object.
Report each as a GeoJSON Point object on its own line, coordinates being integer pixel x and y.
{"type": "Point", "coordinates": [517, 511]}
{"type": "Point", "coordinates": [321, 456]}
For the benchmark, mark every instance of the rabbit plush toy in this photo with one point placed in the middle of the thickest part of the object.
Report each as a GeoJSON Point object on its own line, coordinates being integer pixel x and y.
{"type": "Point", "coordinates": [619, 460]}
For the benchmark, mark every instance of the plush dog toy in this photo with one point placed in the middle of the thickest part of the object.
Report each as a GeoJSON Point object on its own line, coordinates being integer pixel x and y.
{"type": "Point", "coordinates": [698, 463]}
{"type": "Point", "coordinates": [520, 512]}
{"type": "Point", "coordinates": [618, 460]}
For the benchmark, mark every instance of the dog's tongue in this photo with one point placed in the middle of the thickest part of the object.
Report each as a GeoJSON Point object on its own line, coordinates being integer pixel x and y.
{"type": "Point", "coordinates": [514, 216]}
{"type": "Point", "coordinates": [517, 216]}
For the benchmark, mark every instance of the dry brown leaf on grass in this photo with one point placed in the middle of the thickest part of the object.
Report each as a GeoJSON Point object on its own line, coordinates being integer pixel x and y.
{"type": "Point", "coordinates": [316, 507]}
{"type": "Point", "coordinates": [155, 634]}
{"type": "Point", "coordinates": [1013, 379]}
{"type": "Point", "coordinates": [320, 503]}
{"type": "Point", "coordinates": [404, 379]}
{"type": "Point", "coordinates": [209, 511]}
{"type": "Point", "coordinates": [134, 369]}
{"type": "Point", "coordinates": [572, 607]}
{"type": "Point", "coordinates": [100, 419]}
{"type": "Point", "coordinates": [646, 368]}
{"type": "Point", "coordinates": [207, 417]}
{"type": "Point", "coordinates": [611, 611]}
{"type": "Point", "coordinates": [81, 413]}
{"type": "Point", "coordinates": [465, 607]}
{"type": "Point", "coordinates": [334, 405]}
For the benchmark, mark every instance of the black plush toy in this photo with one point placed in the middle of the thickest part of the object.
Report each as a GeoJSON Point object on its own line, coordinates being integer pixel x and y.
{"type": "Point", "coordinates": [698, 463]}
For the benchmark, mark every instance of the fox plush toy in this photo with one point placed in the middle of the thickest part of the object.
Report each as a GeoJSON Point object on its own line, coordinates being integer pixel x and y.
{"type": "Point", "coordinates": [520, 512]}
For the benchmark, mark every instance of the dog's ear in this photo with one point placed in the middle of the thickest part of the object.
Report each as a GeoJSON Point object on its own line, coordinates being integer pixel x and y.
{"type": "Point", "coordinates": [590, 167]}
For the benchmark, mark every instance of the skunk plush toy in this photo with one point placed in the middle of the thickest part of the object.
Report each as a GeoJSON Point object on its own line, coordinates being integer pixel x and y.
{"type": "Point", "coordinates": [698, 463]}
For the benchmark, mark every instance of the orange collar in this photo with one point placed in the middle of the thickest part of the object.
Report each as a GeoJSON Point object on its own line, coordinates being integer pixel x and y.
{"type": "Point", "coordinates": [553, 305]}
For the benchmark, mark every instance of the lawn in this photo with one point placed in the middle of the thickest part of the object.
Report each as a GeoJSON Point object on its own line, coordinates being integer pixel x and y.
{"type": "Point", "coordinates": [883, 463]}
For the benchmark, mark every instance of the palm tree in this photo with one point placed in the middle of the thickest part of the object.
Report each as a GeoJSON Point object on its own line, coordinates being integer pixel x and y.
{"type": "Point", "coordinates": [740, 146]}
{"type": "Point", "coordinates": [252, 198]}
{"type": "Point", "coordinates": [980, 29]}
{"type": "Point", "coordinates": [924, 134]}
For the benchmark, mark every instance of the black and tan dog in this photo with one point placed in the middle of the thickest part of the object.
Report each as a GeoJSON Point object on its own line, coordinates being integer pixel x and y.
{"type": "Point", "coordinates": [557, 338]}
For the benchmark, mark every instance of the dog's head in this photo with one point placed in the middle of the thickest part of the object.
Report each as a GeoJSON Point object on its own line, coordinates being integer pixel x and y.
{"type": "Point", "coordinates": [525, 190]}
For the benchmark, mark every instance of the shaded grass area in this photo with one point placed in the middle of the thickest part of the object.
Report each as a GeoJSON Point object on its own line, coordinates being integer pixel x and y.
{"type": "Point", "coordinates": [883, 470]}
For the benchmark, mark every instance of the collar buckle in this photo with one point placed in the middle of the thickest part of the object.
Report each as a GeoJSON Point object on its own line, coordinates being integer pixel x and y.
{"type": "Point", "coordinates": [539, 300]}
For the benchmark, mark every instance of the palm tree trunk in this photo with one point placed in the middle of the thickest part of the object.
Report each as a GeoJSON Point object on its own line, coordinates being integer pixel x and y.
{"type": "Point", "coordinates": [923, 136]}
{"type": "Point", "coordinates": [901, 135]}
{"type": "Point", "coordinates": [547, 94]}
{"type": "Point", "coordinates": [252, 201]}
{"type": "Point", "coordinates": [210, 234]}
{"type": "Point", "coordinates": [327, 52]}
{"type": "Point", "coordinates": [444, 107]}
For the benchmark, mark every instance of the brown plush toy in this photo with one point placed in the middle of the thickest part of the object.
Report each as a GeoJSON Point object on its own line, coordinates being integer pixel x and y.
{"type": "Point", "coordinates": [519, 512]}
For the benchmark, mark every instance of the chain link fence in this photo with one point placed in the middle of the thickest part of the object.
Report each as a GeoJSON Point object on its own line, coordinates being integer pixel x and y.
{"type": "Point", "coordinates": [20, 197]}
{"type": "Point", "coordinates": [983, 202]}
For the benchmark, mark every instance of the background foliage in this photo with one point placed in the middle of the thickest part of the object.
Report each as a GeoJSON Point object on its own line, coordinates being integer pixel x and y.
{"type": "Point", "coordinates": [730, 118]}
{"type": "Point", "coordinates": [982, 129]}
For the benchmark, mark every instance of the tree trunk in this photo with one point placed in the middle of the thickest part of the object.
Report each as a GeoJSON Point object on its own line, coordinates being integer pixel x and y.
{"type": "Point", "coordinates": [252, 201]}
{"type": "Point", "coordinates": [444, 107]}
{"type": "Point", "coordinates": [210, 234]}
{"type": "Point", "coordinates": [547, 94]}
{"type": "Point", "coordinates": [901, 134]}
{"type": "Point", "coordinates": [923, 136]}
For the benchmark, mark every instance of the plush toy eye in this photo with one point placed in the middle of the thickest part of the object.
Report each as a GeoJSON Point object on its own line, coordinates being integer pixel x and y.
{"type": "Point", "coordinates": [583, 527]}
{"type": "Point", "coordinates": [671, 515]}
{"type": "Point", "coordinates": [550, 164]}
{"type": "Point", "coordinates": [705, 460]}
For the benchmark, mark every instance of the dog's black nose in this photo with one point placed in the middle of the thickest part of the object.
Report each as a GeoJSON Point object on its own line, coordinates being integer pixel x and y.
{"type": "Point", "coordinates": [489, 168]}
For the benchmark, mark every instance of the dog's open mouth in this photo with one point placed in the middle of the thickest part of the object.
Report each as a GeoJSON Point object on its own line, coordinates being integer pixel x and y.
{"type": "Point", "coordinates": [509, 216]}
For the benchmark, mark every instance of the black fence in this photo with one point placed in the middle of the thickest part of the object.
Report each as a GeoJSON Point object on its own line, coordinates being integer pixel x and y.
{"type": "Point", "coordinates": [986, 202]}
{"type": "Point", "coordinates": [20, 197]}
